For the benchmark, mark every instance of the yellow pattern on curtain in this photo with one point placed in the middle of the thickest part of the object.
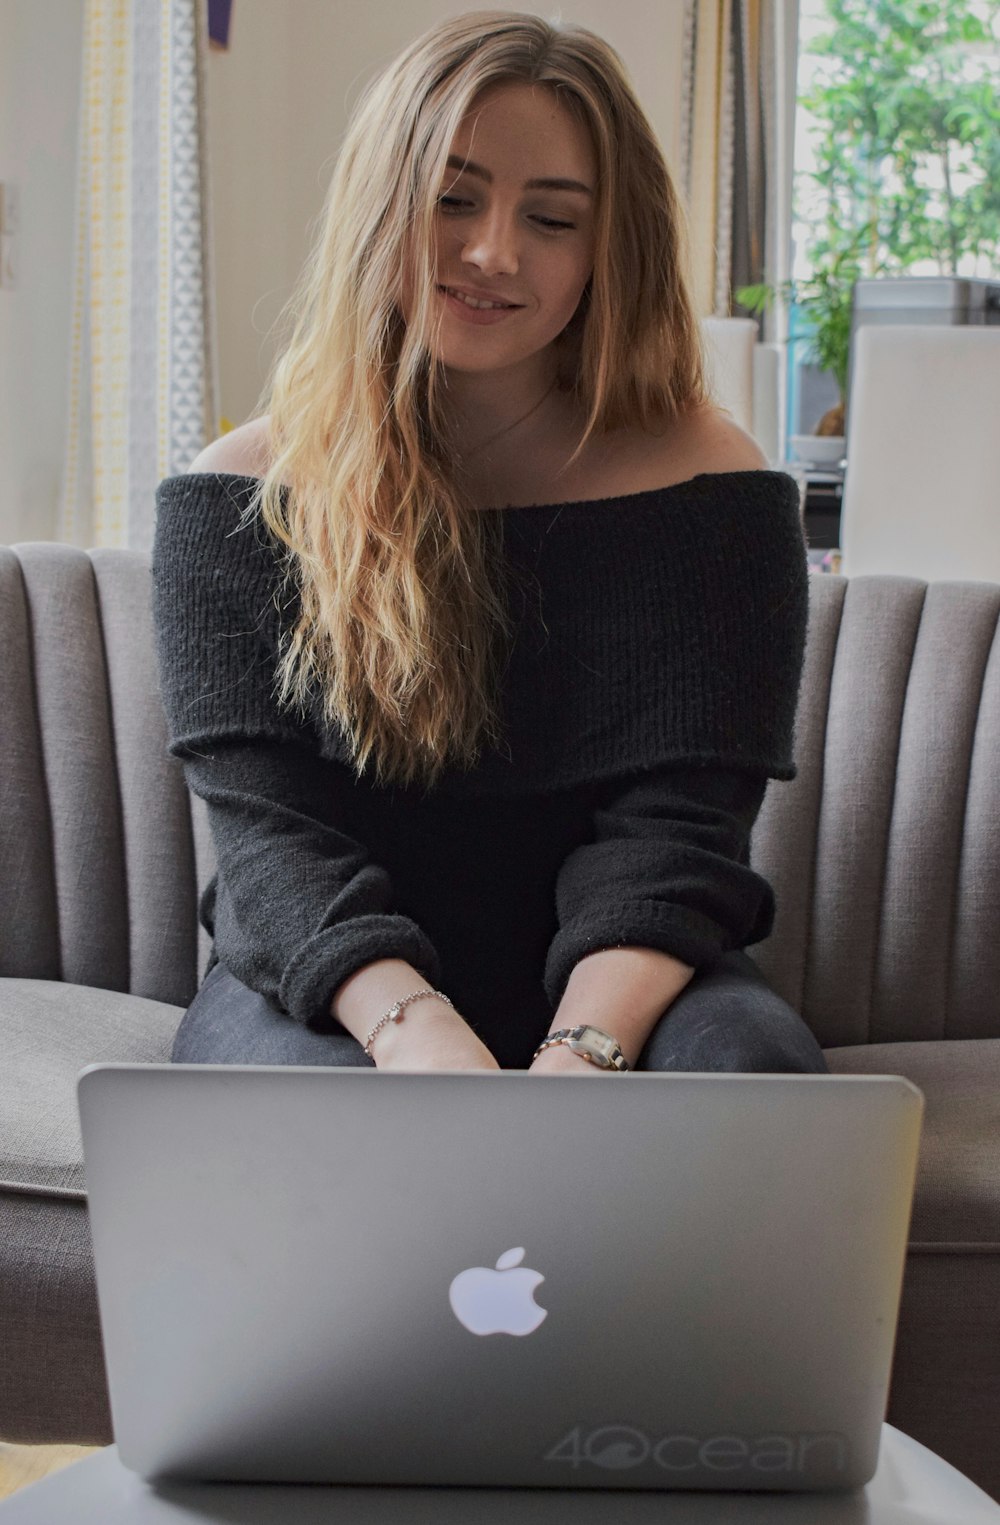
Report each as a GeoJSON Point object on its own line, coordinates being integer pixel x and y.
{"type": "Point", "coordinates": [735, 144]}
{"type": "Point", "coordinates": [142, 386]}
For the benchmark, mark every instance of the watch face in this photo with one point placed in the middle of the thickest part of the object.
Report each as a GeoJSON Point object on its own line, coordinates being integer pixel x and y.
{"type": "Point", "coordinates": [587, 1040]}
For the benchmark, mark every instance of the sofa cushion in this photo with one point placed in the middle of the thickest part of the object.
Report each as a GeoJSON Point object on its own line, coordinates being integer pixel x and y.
{"type": "Point", "coordinates": [48, 1032]}
{"type": "Point", "coordinates": [957, 1200]}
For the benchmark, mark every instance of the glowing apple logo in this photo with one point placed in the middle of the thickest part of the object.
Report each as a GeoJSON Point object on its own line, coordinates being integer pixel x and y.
{"type": "Point", "coordinates": [500, 1301]}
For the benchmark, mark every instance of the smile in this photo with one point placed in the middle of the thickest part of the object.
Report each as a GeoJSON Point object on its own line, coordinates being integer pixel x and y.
{"type": "Point", "coordinates": [475, 303]}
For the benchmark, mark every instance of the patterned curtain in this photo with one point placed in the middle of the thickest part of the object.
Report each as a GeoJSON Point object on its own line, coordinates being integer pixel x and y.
{"type": "Point", "coordinates": [736, 144]}
{"type": "Point", "coordinates": [143, 388]}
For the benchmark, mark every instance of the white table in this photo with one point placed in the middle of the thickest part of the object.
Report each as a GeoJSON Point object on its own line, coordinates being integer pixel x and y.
{"type": "Point", "coordinates": [911, 1487]}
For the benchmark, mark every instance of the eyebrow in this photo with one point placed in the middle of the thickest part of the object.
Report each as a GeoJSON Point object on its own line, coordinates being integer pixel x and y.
{"type": "Point", "coordinates": [546, 184]}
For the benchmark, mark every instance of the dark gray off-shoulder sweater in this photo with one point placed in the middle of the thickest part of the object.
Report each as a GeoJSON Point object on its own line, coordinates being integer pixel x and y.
{"type": "Point", "coordinates": [649, 694]}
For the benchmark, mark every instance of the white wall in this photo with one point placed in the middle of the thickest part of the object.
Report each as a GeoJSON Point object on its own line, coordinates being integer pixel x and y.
{"type": "Point", "coordinates": [40, 49]}
{"type": "Point", "coordinates": [278, 103]}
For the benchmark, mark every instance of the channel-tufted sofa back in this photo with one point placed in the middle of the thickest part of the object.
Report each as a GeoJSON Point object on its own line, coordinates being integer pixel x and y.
{"type": "Point", "coordinates": [99, 852]}
{"type": "Point", "coordinates": [884, 852]}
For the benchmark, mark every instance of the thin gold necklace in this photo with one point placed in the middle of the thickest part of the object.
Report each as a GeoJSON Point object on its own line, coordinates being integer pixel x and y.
{"type": "Point", "coordinates": [492, 439]}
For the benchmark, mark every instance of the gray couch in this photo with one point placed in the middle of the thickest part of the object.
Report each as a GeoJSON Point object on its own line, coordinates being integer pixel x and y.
{"type": "Point", "coordinates": [884, 852]}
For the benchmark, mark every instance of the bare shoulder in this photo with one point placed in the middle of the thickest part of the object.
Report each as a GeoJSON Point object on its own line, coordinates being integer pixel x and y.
{"type": "Point", "coordinates": [713, 441]}
{"type": "Point", "coordinates": [244, 451]}
{"type": "Point", "coordinates": [703, 441]}
{"type": "Point", "coordinates": [706, 440]}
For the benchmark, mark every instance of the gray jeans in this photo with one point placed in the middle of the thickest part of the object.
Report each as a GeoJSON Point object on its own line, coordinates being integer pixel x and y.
{"type": "Point", "coordinates": [727, 1018]}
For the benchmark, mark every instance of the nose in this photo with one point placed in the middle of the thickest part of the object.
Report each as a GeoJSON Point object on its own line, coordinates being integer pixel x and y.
{"type": "Point", "coordinates": [491, 244]}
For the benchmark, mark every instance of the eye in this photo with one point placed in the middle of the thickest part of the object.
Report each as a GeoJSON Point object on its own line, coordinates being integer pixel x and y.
{"type": "Point", "coordinates": [551, 222]}
{"type": "Point", "coordinates": [453, 204]}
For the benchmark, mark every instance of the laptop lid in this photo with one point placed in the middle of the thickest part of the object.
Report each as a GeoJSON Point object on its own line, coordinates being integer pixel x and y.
{"type": "Point", "coordinates": [648, 1281]}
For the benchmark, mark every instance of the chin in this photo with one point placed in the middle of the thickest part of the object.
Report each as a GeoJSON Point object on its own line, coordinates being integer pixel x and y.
{"type": "Point", "coordinates": [481, 359]}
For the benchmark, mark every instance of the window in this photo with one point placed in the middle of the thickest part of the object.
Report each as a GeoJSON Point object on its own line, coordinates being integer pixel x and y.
{"type": "Point", "coordinates": [897, 165]}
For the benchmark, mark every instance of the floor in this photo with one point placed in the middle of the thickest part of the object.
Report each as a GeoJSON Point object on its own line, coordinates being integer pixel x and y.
{"type": "Point", "coordinates": [21, 1465]}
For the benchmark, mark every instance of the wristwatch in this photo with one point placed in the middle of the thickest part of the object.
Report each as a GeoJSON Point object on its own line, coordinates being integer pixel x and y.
{"type": "Point", "coordinates": [591, 1044]}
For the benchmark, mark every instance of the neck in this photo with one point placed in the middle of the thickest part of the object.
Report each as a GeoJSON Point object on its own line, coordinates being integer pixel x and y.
{"type": "Point", "coordinates": [483, 408]}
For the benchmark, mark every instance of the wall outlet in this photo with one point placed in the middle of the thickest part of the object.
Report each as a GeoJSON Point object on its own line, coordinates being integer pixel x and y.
{"type": "Point", "coordinates": [10, 207]}
{"type": "Point", "coordinates": [8, 261]}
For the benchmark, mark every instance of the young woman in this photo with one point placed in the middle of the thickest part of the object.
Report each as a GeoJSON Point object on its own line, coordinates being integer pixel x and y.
{"type": "Point", "coordinates": [482, 641]}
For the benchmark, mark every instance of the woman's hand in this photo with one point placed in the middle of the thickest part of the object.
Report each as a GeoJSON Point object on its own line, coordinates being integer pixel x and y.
{"type": "Point", "coordinates": [430, 1033]}
{"type": "Point", "coordinates": [561, 1060]}
{"type": "Point", "coordinates": [430, 1039]}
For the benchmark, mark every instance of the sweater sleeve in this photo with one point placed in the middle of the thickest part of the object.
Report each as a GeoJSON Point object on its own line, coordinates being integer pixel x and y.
{"type": "Point", "coordinates": [297, 906]}
{"type": "Point", "coordinates": [667, 868]}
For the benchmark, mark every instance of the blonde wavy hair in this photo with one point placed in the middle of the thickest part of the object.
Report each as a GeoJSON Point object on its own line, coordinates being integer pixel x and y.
{"type": "Point", "coordinates": [401, 632]}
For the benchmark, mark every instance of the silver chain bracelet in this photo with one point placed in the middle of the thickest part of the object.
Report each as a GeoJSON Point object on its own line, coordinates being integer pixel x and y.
{"type": "Point", "coordinates": [396, 1011]}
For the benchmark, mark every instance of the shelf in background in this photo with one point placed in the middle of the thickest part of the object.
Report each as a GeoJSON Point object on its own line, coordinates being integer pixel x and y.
{"type": "Point", "coordinates": [824, 497]}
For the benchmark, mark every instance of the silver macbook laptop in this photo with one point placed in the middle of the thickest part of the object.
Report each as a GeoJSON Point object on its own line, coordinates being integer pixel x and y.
{"type": "Point", "coordinates": [645, 1281]}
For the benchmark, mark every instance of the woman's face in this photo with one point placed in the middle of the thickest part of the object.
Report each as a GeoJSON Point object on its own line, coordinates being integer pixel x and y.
{"type": "Point", "coordinates": [514, 243]}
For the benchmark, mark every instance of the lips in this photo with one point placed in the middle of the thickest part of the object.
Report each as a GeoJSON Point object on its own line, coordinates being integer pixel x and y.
{"type": "Point", "coordinates": [478, 301]}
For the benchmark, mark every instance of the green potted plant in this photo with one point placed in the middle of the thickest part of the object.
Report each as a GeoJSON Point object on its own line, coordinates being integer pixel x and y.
{"type": "Point", "coordinates": [825, 300]}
